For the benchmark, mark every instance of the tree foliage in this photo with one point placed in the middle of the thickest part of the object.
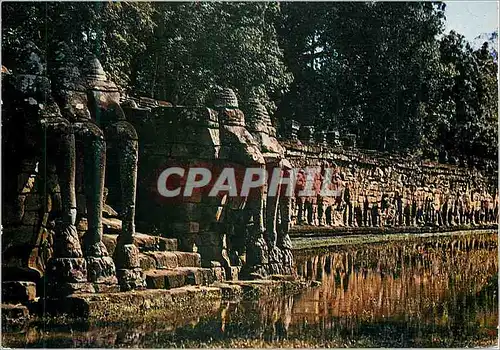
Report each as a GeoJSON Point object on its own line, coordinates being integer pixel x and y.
{"type": "Point", "coordinates": [113, 31]}
{"type": "Point", "coordinates": [386, 72]}
{"type": "Point", "coordinates": [383, 71]}
{"type": "Point", "coordinates": [368, 63]}
{"type": "Point", "coordinates": [471, 129]}
{"type": "Point", "coordinates": [172, 51]}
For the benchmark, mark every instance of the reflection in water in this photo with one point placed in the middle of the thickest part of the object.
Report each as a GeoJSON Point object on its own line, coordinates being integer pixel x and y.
{"type": "Point", "coordinates": [410, 281]}
{"type": "Point", "coordinates": [431, 292]}
{"type": "Point", "coordinates": [445, 287]}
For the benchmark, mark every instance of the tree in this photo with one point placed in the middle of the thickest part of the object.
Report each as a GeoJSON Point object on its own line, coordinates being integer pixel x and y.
{"type": "Point", "coordinates": [172, 51]}
{"type": "Point", "coordinates": [198, 46]}
{"type": "Point", "coordinates": [370, 65]}
{"type": "Point", "coordinates": [113, 31]}
{"type": "Point", "coordinates": [472, 127]}
{"type": "Point", "coordinates": [374, 69]}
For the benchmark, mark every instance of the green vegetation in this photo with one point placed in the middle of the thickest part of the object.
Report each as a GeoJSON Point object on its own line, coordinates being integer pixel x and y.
{"type": "Point", "coordinates": [329, 242]}
{"type": "Point", "coordinates": [382, 71]}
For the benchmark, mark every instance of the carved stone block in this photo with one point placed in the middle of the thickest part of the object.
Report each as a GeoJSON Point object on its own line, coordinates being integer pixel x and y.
{"type": "Point", "coordinates": [127, 256]}
{"type": "Point", "coordinates": [166, 260]}
{"type": "Point", "coordinates": [72, 270]}
{"type": "Point", "coordinates": [67, 243]}
{"type": "Point", "coordinates": [18, 291]}
{"type": "Point", "coordinates": [101, 270]}
{"type": "Point", "coordinates": [63, 289]}
{"type": "Point", "coordinates": [131, 279]}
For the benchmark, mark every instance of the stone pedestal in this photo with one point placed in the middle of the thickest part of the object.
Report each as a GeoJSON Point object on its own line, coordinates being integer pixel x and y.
{"type": "Point", "coordinates": [67, 270]}
{"type": "Point", "coordinates": [257, 257]}
{"type": "Point", "coordinates": [67, 276]}
{"type": "Point", "coordinates": [102, 274]}
{"type": "Point", "coordinates": [131, 279]}
{"type": "Point", "coordinates": [130, 275]}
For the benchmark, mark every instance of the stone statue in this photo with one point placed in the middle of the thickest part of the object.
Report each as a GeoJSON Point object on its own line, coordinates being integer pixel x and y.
{"type": "Point", "coordinates": [238, 146]}
{"type": "Point", "coordinates": [90, 102]}
{"type": "Point", "coordinates": [260, 126]}
{"type": "Point", "coordinates": [53, 143]}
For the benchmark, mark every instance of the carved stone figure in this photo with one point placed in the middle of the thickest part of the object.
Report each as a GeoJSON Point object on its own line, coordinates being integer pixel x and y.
{"type": "Point", "coordinates": [279, 244]}
{"type": "Point", "coordinates": [91, 103]}
{"type": "Point", "coordinates": [52, 140]}
{"type": "Point", "coordinates": [239, 146]}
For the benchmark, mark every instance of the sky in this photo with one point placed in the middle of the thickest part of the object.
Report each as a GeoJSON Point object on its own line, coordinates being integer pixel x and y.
{"type": "Point", "coordinates": [471, 18]}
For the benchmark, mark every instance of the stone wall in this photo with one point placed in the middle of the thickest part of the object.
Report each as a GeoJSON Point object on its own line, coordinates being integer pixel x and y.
{"type": "Point", "coordinates": [377, 189]}
{"type": "Point", "coordinates": [382, 189]}
{"type": "Point", "coordinates": [181, 137]}
{"type": "Point", "coordinates": [27, 226]}
{"type": "Point", "coordinates": [223, 229]}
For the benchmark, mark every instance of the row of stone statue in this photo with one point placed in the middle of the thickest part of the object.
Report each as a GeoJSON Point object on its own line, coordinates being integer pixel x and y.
{"type": "Point", "coordinates": [260, 230]}
{"type": "Point", "coordinates": [71, 117]}
{"type": "Point", "coordinates": [434, 210]}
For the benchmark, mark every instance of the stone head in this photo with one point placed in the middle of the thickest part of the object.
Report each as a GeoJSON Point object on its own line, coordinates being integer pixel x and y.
{"type": "Point", "coordinates": [225, 98]}
{"type": "Point", "coordinates": [225, 103]}
{"type": "Point", "coordinates": [257, 117]}
{"type": "Point", "coordinates": [95, 76]}
{"type": "Point", "coordinates": [93, 69]}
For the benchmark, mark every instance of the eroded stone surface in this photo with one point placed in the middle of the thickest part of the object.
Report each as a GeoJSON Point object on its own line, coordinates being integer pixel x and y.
{"type": "Point", "coordinates": [63, 289]}
{"type": "Point", "coordinates": [166, 279]}
{"type": "Point", "coordinates": [101, 270]}
{"type": "Point", "coordinates": [127, 256]}
{"type": "Point", "coordinates": [188, 259]}
{"type": "Point", "coordinates": [67, 243]}
{"type": "Point", "coordinates": [144, 242]}
{"type": "Point", "coordinates": [18, 291]}
{"type": "Point", "coordinates": [72, 270]}
{"type": "Point", "coordinates": [130, 279]}
{"type": "Point", "coordinates": [14, 315]}
{"type": "Point", "coordinates": [168, 260]}
{"type": "Point", "coordinates": [135, 305]}
{"type": "Point", "coordinates": [146, 262]}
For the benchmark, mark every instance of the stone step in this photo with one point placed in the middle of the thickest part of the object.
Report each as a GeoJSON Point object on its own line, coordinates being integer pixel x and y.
{"type": "Point", "coordinates": [145, 243]}
{"type": "Point", "coordinates": [18, 291]}
{"type": "Point", "coordinates": [134, 306]}
{"type": "Point", "coordinates": [14, 316]}
{"type": "Point", "coordinates": [168, 260]}
{"type": "Point", "coordinates": [178, 277]}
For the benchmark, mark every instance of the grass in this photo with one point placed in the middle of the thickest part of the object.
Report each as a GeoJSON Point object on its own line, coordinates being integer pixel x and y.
{"type": "Point", "coordinates": [303, 243]}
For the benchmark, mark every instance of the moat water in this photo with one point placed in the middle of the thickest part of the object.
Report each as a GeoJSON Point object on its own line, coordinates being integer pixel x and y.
{"type": "Point", "coordinates": [432, 292]}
